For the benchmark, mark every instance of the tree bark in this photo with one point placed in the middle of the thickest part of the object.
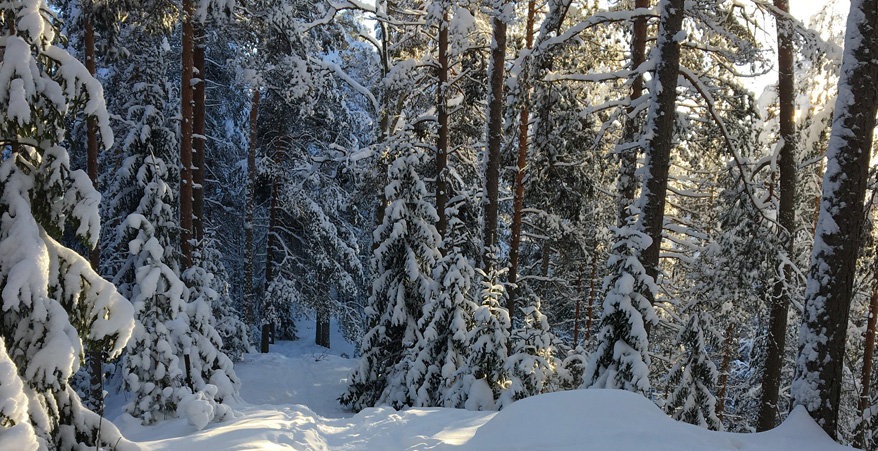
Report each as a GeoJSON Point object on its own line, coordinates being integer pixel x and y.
{"type": "Point", "coordinates": [186, 95]}
{"type": "Point", "coordinates": [836, 242]}
{"type": "Point", "coordinates": [657, 148]}
{"type": "Point", "coordinates": [442, 137]}
{"type": "Point", "coordinates": [495, 139]}
{"type": "Point", "coordinates": [249, 295]}
{"type": "Point", "coordinates": [777, 331]}
{"type": "Point", "coordinates": [198, 137]}
{"type": "Point", "coordinates": [518, 197]}
{"type": "Point", "coordinates": [724, 375]}
{"type": "Point", "coordinates": [626, 182]}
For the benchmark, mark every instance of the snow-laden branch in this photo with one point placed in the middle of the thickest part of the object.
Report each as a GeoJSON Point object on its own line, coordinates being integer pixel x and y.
{"type": "Point", "coordinates": [340, 73]}
{"type": "Point", "coordinates": [739, 160]}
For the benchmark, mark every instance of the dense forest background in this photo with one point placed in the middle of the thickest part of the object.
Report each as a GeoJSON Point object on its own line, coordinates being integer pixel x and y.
{"type": "Point", "coordinates": [495, 199]}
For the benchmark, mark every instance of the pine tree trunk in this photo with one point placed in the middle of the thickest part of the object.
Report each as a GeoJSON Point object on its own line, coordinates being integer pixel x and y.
{"type": "Point", "coordinates": [724, 375]}
{"type": "Point", "coordinates": [628, 154]}
{"type": "Point", "coordinates": [186, 138]}
{"type": "Point", "coordinates": [777, 331]}
{"type": "Point", "coordinates": [495, 139]}
{"type": "Point", "coordinates": [198, 137]}
{"type": "Point", "coordinates": [249, 294]}
{"type": "Point", "coordinates": [442, 137]}
{"type": "Point", "coordinates": [833, 261]}
{"type": "Point", "coordinates": [518, 197]}
{"type": "Point", "coordinates": [868, 354]}
{"type": "Point", "coordinates": [657, 149]}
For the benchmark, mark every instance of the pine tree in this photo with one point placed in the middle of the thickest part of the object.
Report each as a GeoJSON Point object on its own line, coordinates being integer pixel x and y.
{"type": "Point", "coordinates": [830, 278]}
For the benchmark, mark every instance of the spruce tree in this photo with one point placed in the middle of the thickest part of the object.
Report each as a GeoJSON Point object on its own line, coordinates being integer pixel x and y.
{"type": "Point", "coordinates": [405, 255]}
{"type": "Point", "coordinates": [622, 359]}
{"type": "Point", "coordinates": [693, 375]}
{"type": "Point", "coordinates": [53, 301]}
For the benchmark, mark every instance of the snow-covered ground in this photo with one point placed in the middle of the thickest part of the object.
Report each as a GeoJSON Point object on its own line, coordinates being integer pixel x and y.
{"type": "Point", "coordinates": [289, 402]}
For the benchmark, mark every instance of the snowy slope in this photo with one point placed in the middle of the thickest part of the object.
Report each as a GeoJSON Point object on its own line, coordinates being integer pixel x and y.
{"type": "Point", "coordinates": [276, 385]}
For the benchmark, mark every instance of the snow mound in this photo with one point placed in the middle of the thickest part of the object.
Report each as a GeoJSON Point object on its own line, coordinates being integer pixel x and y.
{"type": "Point", "coordinates": [622, 420]}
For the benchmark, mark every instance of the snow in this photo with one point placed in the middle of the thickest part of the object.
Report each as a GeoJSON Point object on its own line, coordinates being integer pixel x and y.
{"type": "Point", "coordinates": [289, 402]}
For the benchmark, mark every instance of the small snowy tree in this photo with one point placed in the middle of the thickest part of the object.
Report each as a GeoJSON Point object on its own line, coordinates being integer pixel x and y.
{"type": "Point", "coordinates": [210, 365]}
{"type": "Point", "coordinates": [531, 367]}
{"type": "Point", "coordinates": [480, 383]}
{"type": "Point", "coordinates": [447, 319]}
{"type": "Point", "coordinates": [405, 256]}
{"type": "Point", "coordinates": [570, 373]}
{"type": "Point", "coordinates": [694, 374]}
{"type": "Point", "coordinates": [153, 370]}
{"type": "Point", "coordinates": [621, 359]}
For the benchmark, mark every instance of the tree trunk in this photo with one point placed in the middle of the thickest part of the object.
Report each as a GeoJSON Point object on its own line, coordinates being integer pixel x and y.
{"type": "Point", "coordinates": [249, 295]}
{"type": "Point", "coordinates": [626, 183]}
{"type": "Point", "coordinates": [95, 368]}
{"type": "Point", "coordinates": [186, 138]}
{"type": "Point", "coordinates": [724, 375]}
{"type": "Point", "coordinates": [777, 331]}
{"type": "Point", "coordinates": [833, 260]}
{"type": "Point", "coordinates": [442, 137]}
{"type": "Point", "coordinates": [868, 354]}
{"type": "Point", "coordinates": [495, 139]}
{"type": "Point", "coordinates": [198, 137]}
{"type": "Point", "coordinates": [657, 149]}
{"type": "Point", "coordinates": [322, 337]}
{"type": "Point", "coordinates": [518, 197]}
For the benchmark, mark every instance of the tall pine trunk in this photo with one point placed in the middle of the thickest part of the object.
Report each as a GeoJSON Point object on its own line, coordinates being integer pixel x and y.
{"type": "Point", "coordinates": [95, 369]}
{"type": "Point", "coordinates": [518, 197]}
{"type": "Point", "coordinates": [777, 329]}
{"type": "Point", "coordinates": [495, 136]}
{"type": "Point", "coordinates": [660, 133]}
{"type": "Point", "coordinates": [198, 136]}
{"type": "Point", "coordinates": [626, 182]}
{"type": "Point", "coordinates": [833, 260]}
{"type": "Point", "coordinates": [186, 95]}
{"type": "Point", "coordinates": [249, 257]}
{"type": "Point", "coordinates": [442, 136]}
